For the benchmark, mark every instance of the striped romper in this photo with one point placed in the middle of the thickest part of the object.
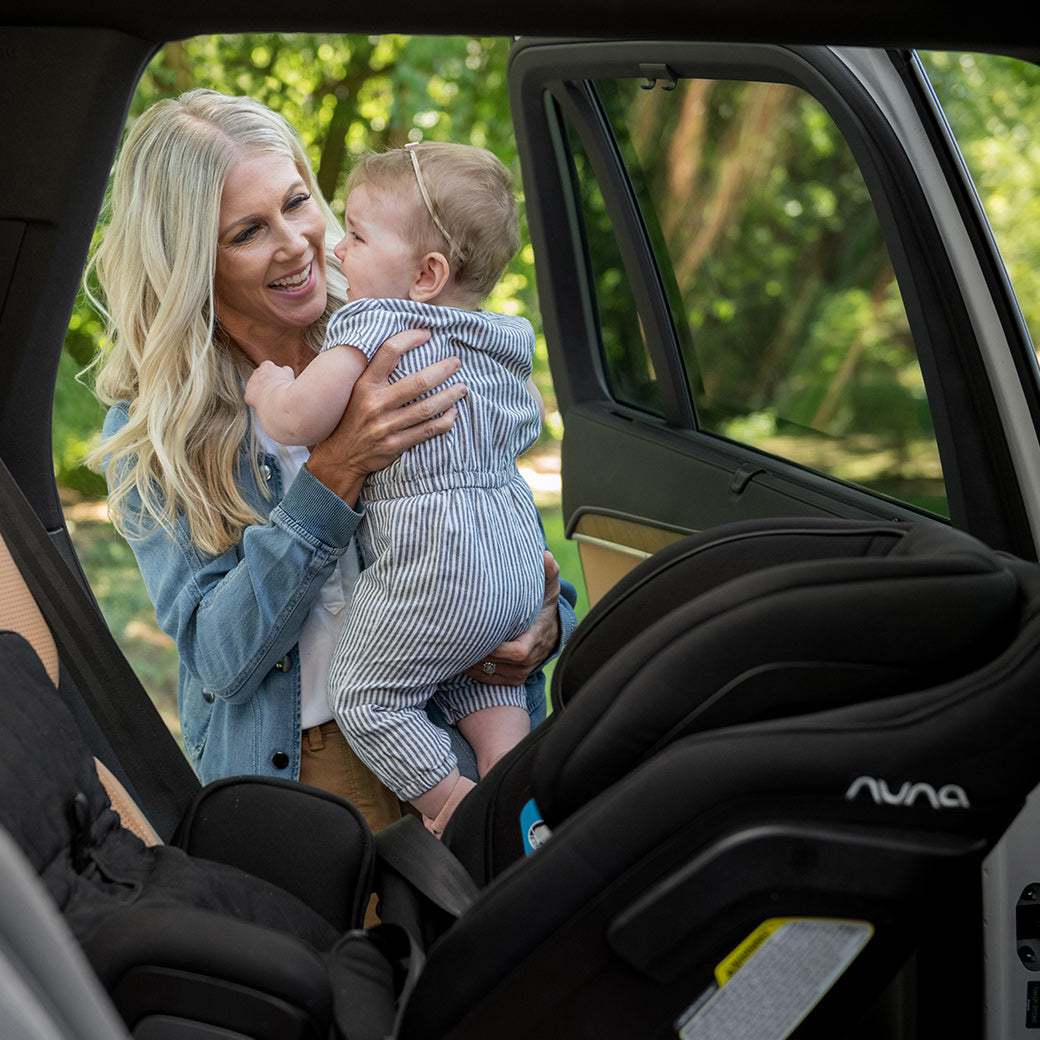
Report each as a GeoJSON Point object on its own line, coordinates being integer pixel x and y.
{"type": "Point", "coordinates": [452, 545]}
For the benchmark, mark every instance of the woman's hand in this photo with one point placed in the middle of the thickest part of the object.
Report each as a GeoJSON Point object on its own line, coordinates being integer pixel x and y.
{"type": "Point", "coordinates": [515, 660]}
{"type": "Point", "coordinates": [384, 419]}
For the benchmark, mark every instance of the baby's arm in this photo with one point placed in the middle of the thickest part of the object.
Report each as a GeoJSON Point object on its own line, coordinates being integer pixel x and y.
{"type": "Point", "coordinates": [305, 409]}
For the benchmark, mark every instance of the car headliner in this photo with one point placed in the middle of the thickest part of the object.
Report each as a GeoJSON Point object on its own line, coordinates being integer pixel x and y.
{"type": "Point", "coordinates": [886, 22]}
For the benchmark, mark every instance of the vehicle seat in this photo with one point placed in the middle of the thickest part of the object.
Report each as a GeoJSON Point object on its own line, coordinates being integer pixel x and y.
{"type": "Point", "coordinates": [873, 610]}
{"type": "Point", "coordinates": [226, 934]}
{"type": "Point", "coordinates": [690, 640]}
{"type": "Point", "coordinates": [716, 861]}
{"type": "Point", "coordinates": [19, 613]}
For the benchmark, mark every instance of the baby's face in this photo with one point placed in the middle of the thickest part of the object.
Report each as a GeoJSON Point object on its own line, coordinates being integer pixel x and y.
{"type": "Point", "coordinates": [378, 260]}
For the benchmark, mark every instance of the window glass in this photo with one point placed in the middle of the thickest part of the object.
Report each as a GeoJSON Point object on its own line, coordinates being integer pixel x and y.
{"type": "Point", "coordinates": [785, 305]}
{"type": "Point", "coordinates": [629, 368]}
{"type": "Point", "coordinates": [992, 103]}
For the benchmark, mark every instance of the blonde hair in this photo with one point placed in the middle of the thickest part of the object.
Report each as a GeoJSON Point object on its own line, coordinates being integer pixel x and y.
{"type": "Point", "coordinates": [165, 352]}
{"type": "Point", "coordinates": [463, 205]}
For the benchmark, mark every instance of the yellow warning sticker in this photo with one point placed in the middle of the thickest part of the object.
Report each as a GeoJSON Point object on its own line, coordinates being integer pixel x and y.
{"type": "Point", "coordinates": [773, 979]}
{"type": "Point", "coordinates": [728, 967]}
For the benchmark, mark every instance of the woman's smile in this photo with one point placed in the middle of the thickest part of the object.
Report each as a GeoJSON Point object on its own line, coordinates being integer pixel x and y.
{"type": "Point", "coordinates": [294, 282]}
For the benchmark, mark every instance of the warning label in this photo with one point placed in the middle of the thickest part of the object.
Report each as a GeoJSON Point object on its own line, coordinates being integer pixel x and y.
{"type": "Point", "coordinates": [1033, 1005]}
{"type": "Point", "coordinates": [773, 979]}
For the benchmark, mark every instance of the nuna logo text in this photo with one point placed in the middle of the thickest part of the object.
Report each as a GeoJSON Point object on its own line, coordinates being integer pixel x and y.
{"type": "Point", "coordinates": [909, 792]}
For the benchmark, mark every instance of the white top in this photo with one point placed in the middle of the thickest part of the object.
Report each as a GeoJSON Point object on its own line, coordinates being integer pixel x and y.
{"type": "Point", "coordinates": [321, 631]}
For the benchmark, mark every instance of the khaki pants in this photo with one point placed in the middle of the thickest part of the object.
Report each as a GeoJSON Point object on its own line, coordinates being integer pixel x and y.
{"type": "Point", "coordinates": [329, 762]}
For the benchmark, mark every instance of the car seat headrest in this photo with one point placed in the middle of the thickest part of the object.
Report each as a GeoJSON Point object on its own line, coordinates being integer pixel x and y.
{"type": "Point", "coordinates": [762, 620]}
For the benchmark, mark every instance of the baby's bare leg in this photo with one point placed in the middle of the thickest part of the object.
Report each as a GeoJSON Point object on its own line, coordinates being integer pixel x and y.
{"type": "Point", "coordinates": [493, 731]}
{"type": "Point", "coordinates": [437, 804]}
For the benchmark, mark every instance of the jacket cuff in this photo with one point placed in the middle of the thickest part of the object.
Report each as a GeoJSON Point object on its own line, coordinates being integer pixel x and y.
{"type": "Point", "coordinates": [310, 507]}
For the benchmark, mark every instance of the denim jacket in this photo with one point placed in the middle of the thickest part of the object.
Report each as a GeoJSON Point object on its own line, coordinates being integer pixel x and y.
{"type": "Point", "coordinates": [236, 619]}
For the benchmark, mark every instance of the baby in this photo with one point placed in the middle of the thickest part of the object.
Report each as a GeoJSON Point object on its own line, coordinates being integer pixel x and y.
{"type": "Point", "coordinates": [451, 539]}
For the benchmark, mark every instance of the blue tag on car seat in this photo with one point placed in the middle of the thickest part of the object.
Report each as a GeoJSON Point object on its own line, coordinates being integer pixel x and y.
{"type": "Point", "coordinates": [534, 832]}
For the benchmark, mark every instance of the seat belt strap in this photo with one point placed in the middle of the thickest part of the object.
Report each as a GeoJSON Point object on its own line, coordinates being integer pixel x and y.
{"type": "Point", "coordinates": [422, 860]}
{"type": "Point", "coordinates": [373, 972]}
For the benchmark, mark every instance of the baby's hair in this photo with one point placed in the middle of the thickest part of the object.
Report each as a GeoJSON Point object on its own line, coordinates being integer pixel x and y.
{"type": "Point", "coordinates": [471, 214]}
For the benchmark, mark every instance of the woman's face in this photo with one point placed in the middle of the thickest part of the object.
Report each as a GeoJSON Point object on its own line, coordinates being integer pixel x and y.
{"type": "Point", "coordinates": [270, 274]}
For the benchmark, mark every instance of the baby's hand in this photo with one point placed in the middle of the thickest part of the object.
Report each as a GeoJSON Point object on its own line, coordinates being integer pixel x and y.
{"type": "Point", "coordinates": [266, 377]}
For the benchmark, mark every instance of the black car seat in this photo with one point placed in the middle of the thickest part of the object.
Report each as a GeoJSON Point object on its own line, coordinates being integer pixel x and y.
{"type": "Point", "coordinates": [769, 803]}
{"type": "Point", "coordinates": [659, 656]}
{"type": "Point", "coordinates": [225, 933]}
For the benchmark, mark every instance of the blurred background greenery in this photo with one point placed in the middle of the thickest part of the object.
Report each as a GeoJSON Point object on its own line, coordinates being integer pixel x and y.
{"type": "Point", "coordinates": [347, 94]}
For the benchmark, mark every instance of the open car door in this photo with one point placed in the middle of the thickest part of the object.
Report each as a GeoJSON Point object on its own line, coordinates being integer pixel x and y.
{"type": "Point", "coordinates": [767, 290]}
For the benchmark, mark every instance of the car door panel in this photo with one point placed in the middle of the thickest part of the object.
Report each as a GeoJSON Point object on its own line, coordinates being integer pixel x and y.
{"type": "Point", "coordinates": [646, 456]}
{"type": "Point", "coordinates": [620, 510]}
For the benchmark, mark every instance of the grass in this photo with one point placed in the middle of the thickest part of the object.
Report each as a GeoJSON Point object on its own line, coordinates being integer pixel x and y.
{"type": "Point", "coordinates": [112, 571]}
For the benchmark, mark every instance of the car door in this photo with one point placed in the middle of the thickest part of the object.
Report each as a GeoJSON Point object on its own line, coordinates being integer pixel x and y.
{"type": "Point", "coordinates": [767, 289]}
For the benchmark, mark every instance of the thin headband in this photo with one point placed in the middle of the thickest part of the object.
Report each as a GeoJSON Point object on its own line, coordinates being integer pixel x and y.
{"type": "Point", "coordinates": [410, 148]}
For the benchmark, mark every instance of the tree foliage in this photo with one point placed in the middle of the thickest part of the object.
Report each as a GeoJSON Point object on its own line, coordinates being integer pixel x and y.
{"type": "Point", "coordinates": [993, 106]}
{"type": "Point", "coordinates": [784, 234]}
{"type": "Point", "coordinates": [345, 94]}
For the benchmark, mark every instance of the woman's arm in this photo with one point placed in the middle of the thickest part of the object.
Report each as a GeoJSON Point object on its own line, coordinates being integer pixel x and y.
{"type": "Point", "coordinates": [233, 615]}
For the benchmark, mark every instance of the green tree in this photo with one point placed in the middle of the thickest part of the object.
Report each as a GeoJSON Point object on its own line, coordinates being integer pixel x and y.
{"type": "Point", "coordinates": [993, 105]}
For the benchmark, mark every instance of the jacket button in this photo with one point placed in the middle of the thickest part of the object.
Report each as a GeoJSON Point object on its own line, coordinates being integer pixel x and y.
{"type": "Point", "coordinates": [209, 696]}
{"type": "Point", "coordinates": [284, 664]}
{"type": "Point", "coordinates": [280, 760]}
{"type": "Point", "coordinates": [268, 473]}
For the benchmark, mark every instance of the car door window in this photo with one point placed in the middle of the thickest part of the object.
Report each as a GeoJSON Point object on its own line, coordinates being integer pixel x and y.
{"type": "Point", "coordinates": [786, 310]}
{"type": "Point", "coordinates": [991, 103]}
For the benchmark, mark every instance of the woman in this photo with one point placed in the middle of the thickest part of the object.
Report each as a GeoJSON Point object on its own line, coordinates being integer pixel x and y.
{"type": "Point", "coordinates": [217, 257]}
